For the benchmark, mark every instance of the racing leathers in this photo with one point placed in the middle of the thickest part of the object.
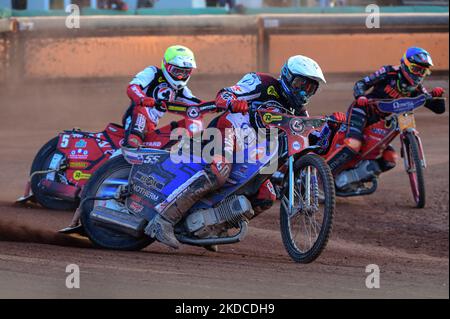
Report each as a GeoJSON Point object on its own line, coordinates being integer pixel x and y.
{"type": "Point", "coordinates": [253, 89]}
{"type": "Point", "coordinates": [383, 84]}
{"type": "Point", "coordinates": [143, 115]}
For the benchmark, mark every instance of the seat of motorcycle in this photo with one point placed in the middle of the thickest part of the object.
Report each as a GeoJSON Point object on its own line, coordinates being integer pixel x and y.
{"type": "Point", "coordinates": [114, 129]}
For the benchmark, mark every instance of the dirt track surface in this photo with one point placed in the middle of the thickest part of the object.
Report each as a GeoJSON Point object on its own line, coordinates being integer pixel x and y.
{"type": "Point", "coordinates": [409, 245]}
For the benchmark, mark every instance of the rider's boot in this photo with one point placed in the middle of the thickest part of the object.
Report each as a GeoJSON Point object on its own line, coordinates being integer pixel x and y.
{"type": "Point", "coordinates": [388, 160]}
{"type": "Point", "coordinates": [178, 204]}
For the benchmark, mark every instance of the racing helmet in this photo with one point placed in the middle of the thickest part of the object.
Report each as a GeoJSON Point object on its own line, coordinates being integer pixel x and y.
{"type": "Point", "coordinates": [177, 66]}
{"type": "Point", "coordinates": [300, 78]}
{"type": "Point", "coordinates": [415, 66]}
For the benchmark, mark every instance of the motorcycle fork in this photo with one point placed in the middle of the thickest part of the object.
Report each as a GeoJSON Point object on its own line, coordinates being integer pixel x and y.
{"type": "Point", "coordinates": [404, 151]}
{"type": "Point", "coordinates": [291, 184]}
{"type": "Point", "coordinates": [307, 190]}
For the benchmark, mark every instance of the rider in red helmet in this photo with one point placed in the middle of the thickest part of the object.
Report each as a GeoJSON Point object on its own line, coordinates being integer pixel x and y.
{"type": "Point", "coordinates": [389, 82]}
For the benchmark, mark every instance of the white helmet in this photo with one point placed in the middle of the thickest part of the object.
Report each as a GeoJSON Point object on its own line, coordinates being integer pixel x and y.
{"type": "Point", "coordinates": [177, 66]}
{"type": "Point", "coordinates": [300, 79]}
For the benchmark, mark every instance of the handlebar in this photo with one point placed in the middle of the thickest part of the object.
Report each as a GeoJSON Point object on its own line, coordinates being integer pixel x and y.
{"type": "Point", "coordinates": [193, 111]}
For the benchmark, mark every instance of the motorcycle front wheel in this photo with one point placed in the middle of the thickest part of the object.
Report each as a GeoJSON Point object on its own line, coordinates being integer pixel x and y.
{"type": "Point", "coordinates": [415, 170]}
{"type": "Point", "coordinates": [306, 227]}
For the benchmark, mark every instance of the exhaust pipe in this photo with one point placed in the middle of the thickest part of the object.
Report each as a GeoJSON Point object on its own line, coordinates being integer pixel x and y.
{"type": "Point", "coordinates": [118, 221]}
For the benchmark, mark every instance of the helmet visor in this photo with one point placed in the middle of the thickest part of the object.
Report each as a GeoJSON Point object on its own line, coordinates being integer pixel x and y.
{"type": "Point", "coordinates": [177, 72]}
{"type": "Point", "coordinates": [301, 84]}
{"type": "Point", "coordinates": [417, 69]}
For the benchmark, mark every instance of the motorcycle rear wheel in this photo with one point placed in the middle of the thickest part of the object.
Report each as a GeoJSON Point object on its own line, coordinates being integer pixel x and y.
{"type": "Point", "coordinates": [322, 172]}
{"type": "Point", "coordinates": [41, 162]}
{"type": "Point", "coordinates": [114, 169]}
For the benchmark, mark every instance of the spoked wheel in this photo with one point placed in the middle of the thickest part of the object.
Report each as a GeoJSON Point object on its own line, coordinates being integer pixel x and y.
{"type": "Point", "coordinates": [104, 183]}
{"type": "Point", "coordinates": [47, 158]}
{"type": "Point", "coordinates": [306, 228]}
{"type": "Point", "coordinates": [415, 170]}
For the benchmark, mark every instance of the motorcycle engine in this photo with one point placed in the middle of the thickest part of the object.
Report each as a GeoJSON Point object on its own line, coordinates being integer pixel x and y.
{"type": "Point", "coordinates": [364, 172]}
{"type": "Point", "coordinates": [215, 221]}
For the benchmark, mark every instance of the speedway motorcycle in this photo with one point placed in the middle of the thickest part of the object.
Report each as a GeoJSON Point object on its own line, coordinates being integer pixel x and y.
{"type": "Point", "coordinates": [125, 193]}
{"type": "Point", "coordinates": [360, 175]}
{"type": "Point", "coordinates": [63, 166]}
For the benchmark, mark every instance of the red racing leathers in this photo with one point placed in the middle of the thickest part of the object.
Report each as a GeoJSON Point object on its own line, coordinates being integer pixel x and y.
{"type": "Point", "coordinates": [143, 115]}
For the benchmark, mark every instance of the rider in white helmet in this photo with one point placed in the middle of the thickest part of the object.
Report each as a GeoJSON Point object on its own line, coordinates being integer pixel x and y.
{"type": "Point", "coordinates": [300, 79]}
{"type": "Point", "coordinates": [168, 83]}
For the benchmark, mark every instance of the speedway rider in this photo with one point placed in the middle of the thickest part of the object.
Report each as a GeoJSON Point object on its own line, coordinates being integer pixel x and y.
{"type": "Point", "coordinates": [389, 82]}
{"type": "Point", "coordinates": [300, 78]}
{"type": "Point", "coordinates": [168, 83]}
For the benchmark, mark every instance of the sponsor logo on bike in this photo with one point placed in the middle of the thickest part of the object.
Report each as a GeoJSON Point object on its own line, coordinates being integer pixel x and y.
{"type": "Point", "coordinates": [79, 154]}
{"type": "Point", "coordinates": [176, 108]}
{"type": "Point", "coordinates": [269, 118]}
{"type": "Point", "coordinates": [149, 181]}
{"type": "Point", "coordinates": [379, 131]}
{"type": "Point", "coordinates": [81, 144]}
{"type": "Point", "coordinates": [296, 145]}
{"type": "Point", "coordinates": [297, 125]}
{"type": "Point", "coordinates": [136, 207]}
{"type": "Point", "coordinates": [145, 192]}
{"type": "Point", "coordinates": [194, 127]}
{"type": "Point", "coordinates": [207, 107]}
{"type": "Point", "coordinates": [193, 112]}
{"type": "Point", "coordinates": [78, 164]}
{"type": "Point", "coordinates": [153, 144]}
{"type": "Point", "coordinates": [79, 175]}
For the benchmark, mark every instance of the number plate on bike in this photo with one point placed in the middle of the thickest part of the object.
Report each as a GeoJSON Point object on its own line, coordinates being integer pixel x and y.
{"type": "Point", "coordinates": [406, 121]}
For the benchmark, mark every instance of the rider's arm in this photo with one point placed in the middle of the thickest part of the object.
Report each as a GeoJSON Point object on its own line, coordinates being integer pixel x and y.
{"type": "Point", "coordinates": [366, 83]}
{"type": "Point", "coordinates": [435, 105]}
{"type": "Point", "coordinates": [247, 89]}
{"type": "Point", "coordinates": [141, 81]}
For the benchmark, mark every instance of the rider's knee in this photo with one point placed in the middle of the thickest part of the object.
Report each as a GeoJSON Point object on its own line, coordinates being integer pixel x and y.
{"type": "Point", "coordinates": [353, 143]}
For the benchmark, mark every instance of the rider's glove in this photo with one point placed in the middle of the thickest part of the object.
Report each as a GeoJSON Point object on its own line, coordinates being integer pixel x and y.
{"type": "Point", "coordinates": [339, 116]}
{"type": "Point", "coordinates": [437, 92]}
{"type": "Point", "coordinates": [362, 101]}
{"type": "Point", "coordinates": [239, 106]}
{"type": "Point", "coordinates": [147, 102]}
